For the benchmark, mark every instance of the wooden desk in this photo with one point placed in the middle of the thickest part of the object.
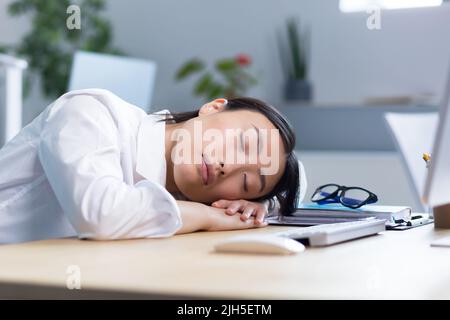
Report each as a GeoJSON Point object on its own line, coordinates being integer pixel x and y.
{"type": "Point", "coordinates": [394, 264]}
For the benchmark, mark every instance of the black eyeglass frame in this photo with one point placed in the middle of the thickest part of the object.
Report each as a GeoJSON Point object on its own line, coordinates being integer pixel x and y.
{"type": "Point", "coordinates": [340, 192]}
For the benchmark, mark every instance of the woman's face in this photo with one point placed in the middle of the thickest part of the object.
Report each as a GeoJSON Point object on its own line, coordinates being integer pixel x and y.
{"type": "Point", "coordinates": [225, 154]}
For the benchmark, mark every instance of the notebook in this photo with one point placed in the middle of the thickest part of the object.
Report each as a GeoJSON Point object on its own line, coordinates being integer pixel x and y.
{"type": "Point", "coordinates": [313, 214]}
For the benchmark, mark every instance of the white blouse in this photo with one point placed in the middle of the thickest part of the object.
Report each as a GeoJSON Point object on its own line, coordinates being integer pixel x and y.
{"type": "Point", "coordinates": [90, 165]}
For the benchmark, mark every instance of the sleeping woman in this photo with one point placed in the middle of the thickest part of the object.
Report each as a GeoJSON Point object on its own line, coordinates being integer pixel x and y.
{"type": "Point", "coordinates": [94, 166]}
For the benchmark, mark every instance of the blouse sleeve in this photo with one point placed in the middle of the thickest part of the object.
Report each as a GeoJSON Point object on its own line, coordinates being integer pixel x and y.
{"type": "Point", "coordinates": [80, 155]}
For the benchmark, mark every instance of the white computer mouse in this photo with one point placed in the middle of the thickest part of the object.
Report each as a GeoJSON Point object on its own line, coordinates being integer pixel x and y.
{"type": "Point", "coordinates": [261, 244]}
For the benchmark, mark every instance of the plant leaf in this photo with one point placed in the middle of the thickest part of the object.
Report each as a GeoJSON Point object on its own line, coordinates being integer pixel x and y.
{"type": "Point", "coordinates": [226, 65]}
{"type": "Point", "coordinates": [19, 7]}
{"type": "Point", "coordinates": [4, 48]}
{"type": "Point", "coordinates": [298, 62]}
{"type": "Point", "coordinates": [203, 84]}
{"type": "Point", "coordinates": [215, 91]}
{"type": "Point", "coordinates": [192, 66]}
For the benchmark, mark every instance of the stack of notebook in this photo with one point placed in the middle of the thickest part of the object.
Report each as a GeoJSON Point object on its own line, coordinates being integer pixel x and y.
{"type": "Point", "coordinates": [313, 214]}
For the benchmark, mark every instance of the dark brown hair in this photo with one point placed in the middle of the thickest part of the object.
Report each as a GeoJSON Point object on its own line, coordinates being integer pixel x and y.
{"type": "Point", "coordinates": [286, 191]}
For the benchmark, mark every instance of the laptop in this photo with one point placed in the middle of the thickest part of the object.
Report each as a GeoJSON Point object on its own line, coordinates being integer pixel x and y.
{"type": "Point", "coordinates": [413, 135]}
{"type": "Point", "coordinates": [418, 133]}
{"type": "Point", "coordinates": [437, 184]}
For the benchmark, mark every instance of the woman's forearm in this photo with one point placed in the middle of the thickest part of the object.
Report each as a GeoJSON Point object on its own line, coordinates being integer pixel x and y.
{"type": "Point", "coordinates": [197, 216]}
{"type": "Point", "coordinates": [194, 216]}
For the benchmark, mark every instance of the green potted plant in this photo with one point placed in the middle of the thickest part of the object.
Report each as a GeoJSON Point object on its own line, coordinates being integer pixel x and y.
{"type": "Point", "coordinates": [49, 45]}
{"type": "Point", "coordinates": [229, 78]}
{"type": "Point", "coordinates": [295, 58]}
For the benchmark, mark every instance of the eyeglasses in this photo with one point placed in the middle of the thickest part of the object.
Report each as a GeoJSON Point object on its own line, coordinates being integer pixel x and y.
{"type": "Point", "coordinates": [352, 197]}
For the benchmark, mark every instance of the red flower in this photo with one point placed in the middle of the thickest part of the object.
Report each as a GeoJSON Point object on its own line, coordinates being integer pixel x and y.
{"type": "Point", "coordinates": [243, 59]}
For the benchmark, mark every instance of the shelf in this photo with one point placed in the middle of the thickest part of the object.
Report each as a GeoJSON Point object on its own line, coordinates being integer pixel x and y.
{"type": "Point", "coordinates": [345, 127]}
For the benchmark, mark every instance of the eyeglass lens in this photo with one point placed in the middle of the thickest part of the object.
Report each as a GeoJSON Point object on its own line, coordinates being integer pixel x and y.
{"type": "Point", "coordinates": [353, 197]}
{"type": "Point", "coordinates": [324, 192]}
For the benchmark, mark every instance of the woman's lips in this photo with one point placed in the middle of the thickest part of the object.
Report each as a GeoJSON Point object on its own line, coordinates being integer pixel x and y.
{"type": "Point", "coordinates": [207, 171]}
{"type": "Point", "coordinates": [204, 172]}
{"type": "Point", "coordinates": [210, 173]}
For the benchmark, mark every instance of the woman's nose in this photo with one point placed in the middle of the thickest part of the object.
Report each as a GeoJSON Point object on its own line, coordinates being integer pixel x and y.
{"type": "Point", "coordinates": [221, 168]}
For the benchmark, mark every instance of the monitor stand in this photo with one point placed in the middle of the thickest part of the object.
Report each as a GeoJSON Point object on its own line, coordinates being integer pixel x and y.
{"type": "Point", "coordinates": [442, 216]}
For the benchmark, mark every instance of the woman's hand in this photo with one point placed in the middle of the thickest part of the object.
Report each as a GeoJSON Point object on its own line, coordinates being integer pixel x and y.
{"type": "Point", "coordinates": [219, 221]}
{"type": "Point", "coordinates": [248, 209]}
{"type": "Point", "coordinates": [197, 216]}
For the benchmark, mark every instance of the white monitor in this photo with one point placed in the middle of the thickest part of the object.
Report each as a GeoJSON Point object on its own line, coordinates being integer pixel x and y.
{"type": "Point", "coordinates": [129, 78]}
{"type": "Point", "coordinates": [437, 184]}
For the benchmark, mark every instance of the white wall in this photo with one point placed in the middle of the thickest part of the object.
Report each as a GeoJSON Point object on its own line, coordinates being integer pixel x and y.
{"type": "Point", "coordinates": [172, 31]}
{"type": "Point", "coordinates": [409, 54]}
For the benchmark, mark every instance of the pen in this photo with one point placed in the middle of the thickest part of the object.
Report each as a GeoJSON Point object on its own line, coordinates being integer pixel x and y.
{"type": "Point", "coordinates": [427, 158]}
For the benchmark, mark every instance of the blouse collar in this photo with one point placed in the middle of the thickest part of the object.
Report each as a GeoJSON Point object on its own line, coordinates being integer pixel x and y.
{"type": "Point", "coordinates": [150, 156]}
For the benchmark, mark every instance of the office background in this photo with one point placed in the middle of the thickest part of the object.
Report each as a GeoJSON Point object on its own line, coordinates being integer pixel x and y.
{"type": "Point", "coordinates": [349, 63]}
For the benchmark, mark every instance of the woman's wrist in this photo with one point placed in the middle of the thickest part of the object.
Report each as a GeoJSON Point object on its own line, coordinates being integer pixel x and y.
{"type": "Point", "coordinates": [195, 216]}
{"type": "Point", "coordinates": [210, 214]}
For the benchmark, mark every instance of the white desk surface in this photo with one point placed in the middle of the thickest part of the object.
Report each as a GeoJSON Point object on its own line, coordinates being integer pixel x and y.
{"type": "Point", "coordinates": [393, 264]}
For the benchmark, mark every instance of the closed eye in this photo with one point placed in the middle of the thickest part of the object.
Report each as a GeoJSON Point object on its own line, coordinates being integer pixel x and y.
{"type": "Point", "coordinates": [242, 141]}
{"type": "Point", "coordinates": [258, 141]}
{"type": "Point", "coordinates": [245, 183]}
